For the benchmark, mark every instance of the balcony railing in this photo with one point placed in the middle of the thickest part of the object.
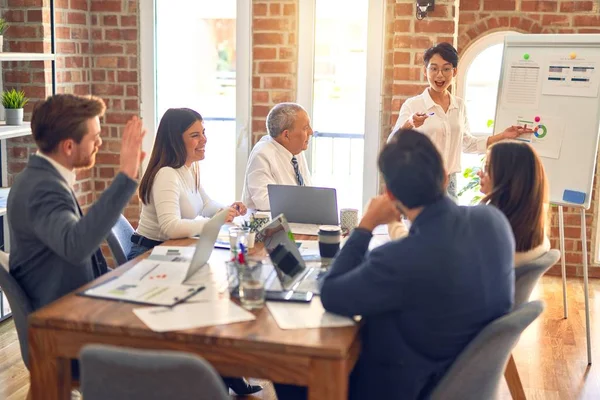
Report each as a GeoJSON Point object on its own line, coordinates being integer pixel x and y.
{"type": "Point", "coordinates": [337, 161]}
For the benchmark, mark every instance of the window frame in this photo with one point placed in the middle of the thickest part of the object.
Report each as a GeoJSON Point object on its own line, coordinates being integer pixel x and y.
{"type": "Point", "coordinates": [469, 55]}
{"type": "Point", "coordinates": [148, 84]}
{"type": "Point", "coordinates": [374, 84]}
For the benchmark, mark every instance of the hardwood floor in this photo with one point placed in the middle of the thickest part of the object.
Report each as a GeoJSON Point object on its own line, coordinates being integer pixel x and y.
{"type": "Point", "coordinates": [551, 355]}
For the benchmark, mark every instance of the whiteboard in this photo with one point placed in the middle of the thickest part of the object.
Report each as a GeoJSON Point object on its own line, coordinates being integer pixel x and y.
{"type": "Point", "coordinates": [555, 79]}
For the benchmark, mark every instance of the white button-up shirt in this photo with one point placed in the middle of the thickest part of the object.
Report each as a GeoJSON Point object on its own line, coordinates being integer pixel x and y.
{"type": "Point", "coordinates": [270, 163]}
{"type": "Point", "coordinates": [449, 131]}
{"type": "Point", "coordinates": [67, 174]}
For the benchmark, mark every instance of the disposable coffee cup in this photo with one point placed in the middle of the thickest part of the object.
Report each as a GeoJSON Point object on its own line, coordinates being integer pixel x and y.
{"type": "Point", "coordinates": [330, 237]}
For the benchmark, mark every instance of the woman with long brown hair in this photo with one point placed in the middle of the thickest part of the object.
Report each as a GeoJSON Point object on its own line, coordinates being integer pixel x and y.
{"type": "Point", "coordinates": [514, 181]}
{"type": "Point", "coordinates": [171, 194]}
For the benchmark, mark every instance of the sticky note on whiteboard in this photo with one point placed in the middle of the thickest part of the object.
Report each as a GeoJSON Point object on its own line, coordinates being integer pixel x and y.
{"type": "Point", "coordinates": [573, 196]}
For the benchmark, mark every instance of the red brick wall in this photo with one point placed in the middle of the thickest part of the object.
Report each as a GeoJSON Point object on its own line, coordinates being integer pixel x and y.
{"type": "Point", "coordinates": [72, 37]}
{"type": "Point", "coordinates": [275, 54]}
{"type": "Point", "coordinates": [115, 78]}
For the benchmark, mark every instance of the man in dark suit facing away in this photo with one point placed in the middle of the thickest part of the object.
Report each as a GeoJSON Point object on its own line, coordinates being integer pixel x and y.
{"type": "Point", "coordinates": [54, 248]}
{"type": "Point", "coordinates": [423, 298]}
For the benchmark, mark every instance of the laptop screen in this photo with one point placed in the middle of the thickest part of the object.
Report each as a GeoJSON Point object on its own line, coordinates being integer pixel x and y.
{"type": "Point", "coordinates": [282, 249]}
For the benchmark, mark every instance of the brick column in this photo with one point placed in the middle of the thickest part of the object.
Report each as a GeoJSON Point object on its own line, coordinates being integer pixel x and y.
{"type": "Point", "coordinates": [115, 78]}
{"type": "Point", "coordinates": [275, 55]}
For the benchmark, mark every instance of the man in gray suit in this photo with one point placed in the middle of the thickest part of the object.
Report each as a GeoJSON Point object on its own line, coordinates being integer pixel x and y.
{"type": "Point", "coordinates": [54, 247]}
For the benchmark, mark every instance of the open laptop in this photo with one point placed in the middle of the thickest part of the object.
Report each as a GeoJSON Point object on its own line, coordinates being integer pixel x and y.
{"type": "Point", "coordinates": [203, 249]}
{"type": "Point", "coordinates": [289, 266]}
{"type": "Point", "coordinates": [305, 207]}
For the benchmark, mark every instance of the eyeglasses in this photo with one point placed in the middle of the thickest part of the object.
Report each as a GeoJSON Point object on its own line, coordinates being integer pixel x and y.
{"type": "Point", "coordinates": [434, 70]}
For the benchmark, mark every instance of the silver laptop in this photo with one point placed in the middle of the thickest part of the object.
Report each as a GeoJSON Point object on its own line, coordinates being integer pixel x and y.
{"type": "Point", "coordinates": [204, 245]}
{"type": "Point", "coordinates": [289, 266]}
{"type": "Point", "coordinates": [304, 204]}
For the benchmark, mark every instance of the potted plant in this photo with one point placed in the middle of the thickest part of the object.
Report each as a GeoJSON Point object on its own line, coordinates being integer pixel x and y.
{"type": "Point", "coordinates": [3, 26]}
{"type": "Point", "coordinates": [255, 225]}
{"type": "Point", "coordinates": [472, 189]}
{"type": "Point", "coordinates": [13, 102]}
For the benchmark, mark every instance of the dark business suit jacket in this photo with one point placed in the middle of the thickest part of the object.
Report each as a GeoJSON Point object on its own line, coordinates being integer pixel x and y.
{"type": "Point", "coordinates": [423, 298]}
{"type": "Point", "coordinates": [54, 249]}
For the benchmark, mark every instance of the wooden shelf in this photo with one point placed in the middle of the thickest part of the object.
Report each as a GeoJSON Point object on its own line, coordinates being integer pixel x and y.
{"type": "Point", "coordinates": [27, 57]}
{"type": "Point", "coordinates": [12, 131]}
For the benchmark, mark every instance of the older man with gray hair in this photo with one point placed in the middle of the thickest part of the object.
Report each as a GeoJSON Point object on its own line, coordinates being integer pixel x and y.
{"type": "Point", "coordinates": [276, 158]}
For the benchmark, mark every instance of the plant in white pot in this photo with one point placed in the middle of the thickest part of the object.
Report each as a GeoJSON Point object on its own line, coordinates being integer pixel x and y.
{"type": "Point", "coordinates": [3, 26]}
{"type": "Point", "coordinates": [13, 102]}
{"type": "Point", "coordinates": [254, 225]}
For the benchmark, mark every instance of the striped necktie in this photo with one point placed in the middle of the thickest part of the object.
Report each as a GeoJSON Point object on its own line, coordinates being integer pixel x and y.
{"type": "Point", "coordinates": [297, 171]}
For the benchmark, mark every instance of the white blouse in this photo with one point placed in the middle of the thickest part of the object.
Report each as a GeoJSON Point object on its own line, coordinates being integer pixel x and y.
{"type": "Point", "coordinates": [175, 202]}
{"type": "Point", "coordinates": [449, 131]}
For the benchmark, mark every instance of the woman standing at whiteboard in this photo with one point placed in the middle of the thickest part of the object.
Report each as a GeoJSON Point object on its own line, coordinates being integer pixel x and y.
{"type": "Point", "coordinates": [442, 116]}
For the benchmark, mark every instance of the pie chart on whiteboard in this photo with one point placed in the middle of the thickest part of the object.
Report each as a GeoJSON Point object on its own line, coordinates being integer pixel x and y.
{"type": "Point", "coordinates": [548, 136]}
{"type": "Point", "coordinates": [540, 131]}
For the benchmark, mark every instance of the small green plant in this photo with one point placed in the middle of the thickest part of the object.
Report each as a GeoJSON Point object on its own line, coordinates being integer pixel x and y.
{"type": "Point", "coordinates": [472, 186]}
{"type": "Point", "coordinates": [14, 99]}
{"type": "Point", "coordinates": [3, 26]}
{"type": "Point", "coordinates": [253, 224]}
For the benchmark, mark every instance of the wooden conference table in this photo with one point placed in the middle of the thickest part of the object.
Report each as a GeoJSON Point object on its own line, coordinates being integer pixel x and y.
{"type": "Point", "coordinates": [320, 359]}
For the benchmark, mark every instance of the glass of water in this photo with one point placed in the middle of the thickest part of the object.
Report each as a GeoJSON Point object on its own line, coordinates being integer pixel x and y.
{"type": "Point", "coordinates": [251, 285]}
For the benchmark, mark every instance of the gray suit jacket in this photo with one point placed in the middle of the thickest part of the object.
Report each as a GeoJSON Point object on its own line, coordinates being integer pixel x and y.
{"type": "Point", "coordinates": [53, 248]}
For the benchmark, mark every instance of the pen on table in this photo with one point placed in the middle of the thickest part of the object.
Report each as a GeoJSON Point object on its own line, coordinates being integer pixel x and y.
{"type": "Point", "coordinates": [150, 270]}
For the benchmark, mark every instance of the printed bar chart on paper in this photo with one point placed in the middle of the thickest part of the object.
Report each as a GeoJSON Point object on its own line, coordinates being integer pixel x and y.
{"type": "Point", "coordinates": [572, 77]}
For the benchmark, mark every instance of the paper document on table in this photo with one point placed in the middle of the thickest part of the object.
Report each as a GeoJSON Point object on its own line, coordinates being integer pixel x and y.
{"type": "Point", "coordinates": [161, 272]}
{"type": "Point", "coordinates": [192, 315]}
{"type": "Point", "coordinates": [304, 229]}
{"type": "Point", "coordinates": [142, 292]}
{"type": "Point", "coordinates": [302, 316]}
{"type": "Point", "coordinates": [172, 253]}
{"type": "Point", "coordinates": [308, 248]}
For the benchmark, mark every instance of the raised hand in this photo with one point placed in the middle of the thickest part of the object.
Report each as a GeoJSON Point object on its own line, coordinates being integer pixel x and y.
{"type": "Point", "coordinates": [131, 147]}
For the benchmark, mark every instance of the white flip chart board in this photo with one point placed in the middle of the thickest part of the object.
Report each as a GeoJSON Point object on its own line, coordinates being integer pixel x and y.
{"type": "Point", "coordinates": [551, 82]}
